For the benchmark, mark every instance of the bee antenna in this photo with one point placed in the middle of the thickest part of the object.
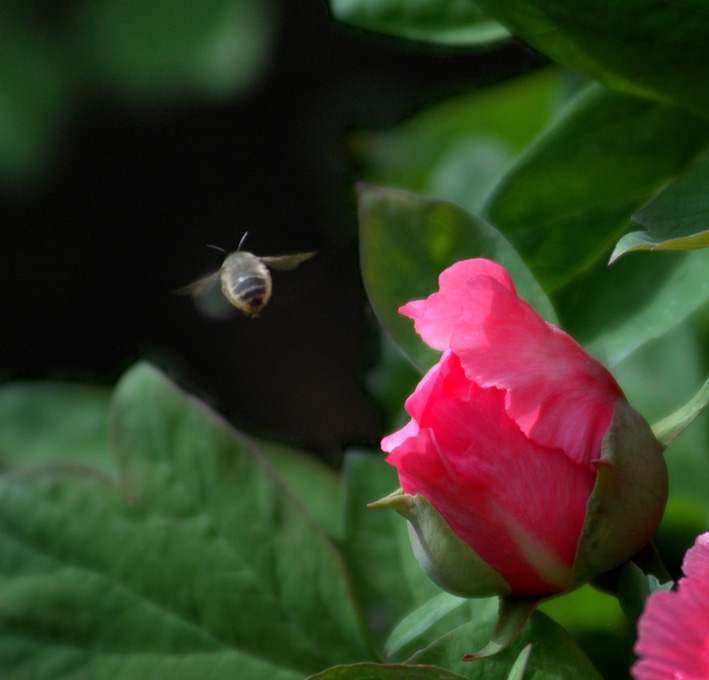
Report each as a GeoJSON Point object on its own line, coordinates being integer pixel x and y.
{"type": "Point", "coordinates": [243, 238]}
{"type": "Point", "coordinates": [209, 245]}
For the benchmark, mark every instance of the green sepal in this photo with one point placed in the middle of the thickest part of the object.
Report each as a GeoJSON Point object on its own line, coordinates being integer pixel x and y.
{"type": "Point", "coordinates": [447, 560]}
{"type": "Point", "coordinates": [513, 614]}
{"type": "Point", "coordinates": [628, 498]}
{"type": "Point", "coordinates": [670, 427]}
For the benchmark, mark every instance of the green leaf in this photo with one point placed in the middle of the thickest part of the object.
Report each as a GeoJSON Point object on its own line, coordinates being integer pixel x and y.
{"type": "Point", "coordinates": [568, 198]}
{"type": "Point", "coordinates": [554, 654]}
{"type": "Point", "coordinates": [390, 381]}
{"type": "Point", "coordinates": [478, 130]}
{"type": "Point", "coordinates": [370, 671]}
{"type": "Point", "coordinates": [385, 574]}
{"type": "Point", "coordinates": [520, 664]}
{"type": "Point", "coordinates": [151, 51]}
{"type": "Point", "coordinates": [420, 620]}
{"type": "Point", "coordinates": [677, 218]}
{"type": "Point", "coordinates": [469, 171]}
{"type": "Point", "coordinates": [450, 22]}
{"type": "Point", "coordinates": [44, 422]}
{"type": "Point", "coordinates": [198, 564]}
{"type": "Point", "coordinates": [609, 41]}
{"type": "Point", "coordinates": [634, 587]}
{"type": "Point", "coordinates": [633, 303]}
{"type": "Point", "coordinates": [316, 485]}
{"type": "Point", "coordinates": [407, 240]}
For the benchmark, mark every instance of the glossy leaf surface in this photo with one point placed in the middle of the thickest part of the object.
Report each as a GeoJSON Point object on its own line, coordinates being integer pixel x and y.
{"type": "Point", "coordinates": [571, 194]}
{"type": "Point", "coordinates": [609, 41]}
{"type": "Point", "coordinates": [446, 23]}
{"type": "Point", "coordinates": [675, 219]}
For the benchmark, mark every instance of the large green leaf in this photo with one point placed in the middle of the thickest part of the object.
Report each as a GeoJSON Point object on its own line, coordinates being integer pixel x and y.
{"type": "Point", "coordinates": [677, 218]}
{"type": "Point", "coordinates": [570, 195]}
{"type": "Point", "coordinates": [407, 240]}
{"type": "Point", "coordinates": [199, 563]}
{"type": "Point", "coordinates": [316, 485]}
{"type": "Point", "coordinates": [449, 23]}
{"type": "Point", "coordinates": [45, 422]}
{"type": "Point", "coordinates": [640, 46]}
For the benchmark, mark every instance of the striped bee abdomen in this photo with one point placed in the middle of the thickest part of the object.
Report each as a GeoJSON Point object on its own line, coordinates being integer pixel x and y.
{"type": "Point", "coordinates": [246, 282]}
{"type": "Point", "coordinates": [252, 290]}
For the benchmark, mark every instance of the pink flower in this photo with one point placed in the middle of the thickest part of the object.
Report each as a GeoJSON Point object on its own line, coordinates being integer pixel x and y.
{"type": "Point", "coordinates": [506, 443]}
{"type": "Point", "coordinates": [673, 640]}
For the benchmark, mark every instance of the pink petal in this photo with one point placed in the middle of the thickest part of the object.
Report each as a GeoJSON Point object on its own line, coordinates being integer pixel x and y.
{"type": "Point", "coordinates": [673, 639]}
{"type": "Point", "coordinates": [435, 317]}
{"type": "Point", "coordinates": [509, 498]}
{"type": "Point", "coordinates": [696, 561]}
{"type": "Point", "coordinates": [556, 392]}
{"type": "Point", "coordinates": [389, 443]}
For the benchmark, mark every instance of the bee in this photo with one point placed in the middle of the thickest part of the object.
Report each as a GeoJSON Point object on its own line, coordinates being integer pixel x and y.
{"type": "Point", "coordinates": [245, 281]}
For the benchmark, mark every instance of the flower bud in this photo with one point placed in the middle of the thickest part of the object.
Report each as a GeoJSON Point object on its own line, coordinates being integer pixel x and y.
{"type": "Point", "coordinates": [523, 447]}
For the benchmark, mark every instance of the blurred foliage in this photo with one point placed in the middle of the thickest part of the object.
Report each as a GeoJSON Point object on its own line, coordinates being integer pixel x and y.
{"type": "Point", "coordinates": [453, 23]}
{"type": "Point", "coordinates": [458, 147]}
{"type": "Point", "coordinates": [55, 58]}
{"type": "Point", "coordinates": [44, 422]}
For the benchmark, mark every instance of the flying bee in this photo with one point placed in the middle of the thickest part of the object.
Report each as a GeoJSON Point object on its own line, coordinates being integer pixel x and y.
{"type": "Point", "coordinates": [245, 281]}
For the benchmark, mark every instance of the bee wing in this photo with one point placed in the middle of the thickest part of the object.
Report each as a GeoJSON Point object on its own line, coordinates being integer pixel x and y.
{"type": "Point", "coordinates": [200, 286]}
{"type": "Point", "coordinates": [208, 298]}
{"type": "Point", "coordinates": [286, 262]}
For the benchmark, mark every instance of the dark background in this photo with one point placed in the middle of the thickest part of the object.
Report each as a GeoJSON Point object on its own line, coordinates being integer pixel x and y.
{"type": "Point", "coordinates": [89, 257]}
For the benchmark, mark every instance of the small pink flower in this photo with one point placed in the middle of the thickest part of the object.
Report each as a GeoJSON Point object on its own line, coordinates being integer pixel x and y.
{"type": "Point", "coordinates": [506, 437]}
{"type": "Point", "coordinates": [673, 641]}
